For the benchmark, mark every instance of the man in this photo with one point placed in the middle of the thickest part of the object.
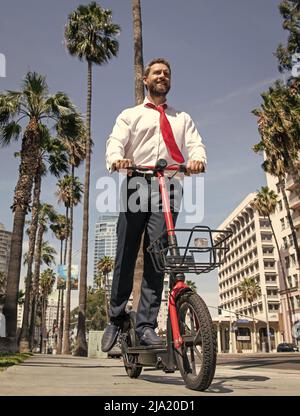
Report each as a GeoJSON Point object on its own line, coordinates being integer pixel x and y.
{"type": "Point", "coordinates": [141, 136]}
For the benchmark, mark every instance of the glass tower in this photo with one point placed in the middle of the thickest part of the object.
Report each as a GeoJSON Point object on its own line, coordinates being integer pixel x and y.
{"type": "Point", "coordinates": [105, 241]}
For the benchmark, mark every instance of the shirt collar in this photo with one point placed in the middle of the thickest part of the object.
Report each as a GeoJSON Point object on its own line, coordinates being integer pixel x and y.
{"type": "Point", "coordinates": [146, 100]}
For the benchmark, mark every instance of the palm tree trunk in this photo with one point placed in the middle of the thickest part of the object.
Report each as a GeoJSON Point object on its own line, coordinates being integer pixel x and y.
{"type": "Point", "coordinates": [283, 272]}
{"type": "Point", "coordinates": [139, 98]}
{"type": "Point", "coordinates": [57, 321]}
{"type": "Point", "coordinates": [43, 323]}
{"type": "Point", "coordinates": [67, 237]}
{"type": "Point", "coordinates": [59, 290]}
{"type": "Point", "coordinates": [58, 301]}
{"type": "Point", "coordinates": [81, 344]}
{"type": "Point", "coordinates": [24, 337]}
{"type": "Point", "coordinates": [138, 52]}
{"type": "Point", "coordinates": [61, 251]}
{"type": "Point", "coordinates": [66, 328]}
{"type": "Point", "coordinates": [61, 322]}
{"type": "Point", "coordinates": [254, 330]}
{"type": "Point", "coordinates": [28, 166]}
{"type": "Point", "coordinates": [105, 295]}
{"type": "Point", "coordinates": [36, 278]}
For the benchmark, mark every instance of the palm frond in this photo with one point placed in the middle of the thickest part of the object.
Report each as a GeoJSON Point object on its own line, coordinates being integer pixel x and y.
{"type": "Point", "coordinates": [9, 132]}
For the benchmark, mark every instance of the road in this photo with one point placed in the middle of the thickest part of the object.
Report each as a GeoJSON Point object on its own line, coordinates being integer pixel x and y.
{"type": "Point", "coordinates": [283, 361]}
{"type": "Point", "coordinates": [236, 375]}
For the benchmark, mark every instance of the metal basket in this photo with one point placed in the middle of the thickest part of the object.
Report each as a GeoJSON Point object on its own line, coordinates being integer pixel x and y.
{"type": "Point", "coordinates": [199, 250]}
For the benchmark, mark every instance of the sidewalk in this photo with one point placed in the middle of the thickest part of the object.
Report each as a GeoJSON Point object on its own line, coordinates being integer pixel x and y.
{"type": "Point", "coordinates": [54, 375]}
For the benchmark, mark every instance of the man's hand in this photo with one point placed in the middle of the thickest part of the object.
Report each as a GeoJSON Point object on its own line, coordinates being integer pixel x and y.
{"type": "Point", "coordinates": [122, 164]}
{"type": "Point", "coordinates": [194, 166]}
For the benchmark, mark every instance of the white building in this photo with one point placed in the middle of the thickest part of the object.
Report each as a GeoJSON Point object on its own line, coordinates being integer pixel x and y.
{"type": "Point", "coordinates": [5, 241]}
{"type": "Point", "coordinates": [105, 242]}
{"type": "Point", "coordinates": [289, 287]}
{"type": "Point", "coordinates": [251, 254]}
{"type": "Point", "coordinates": [163, 311]}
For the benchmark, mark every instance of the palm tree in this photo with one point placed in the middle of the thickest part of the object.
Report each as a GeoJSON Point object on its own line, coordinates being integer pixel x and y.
{"type": "Point", "coordinates": [76, 153]}
{"type": "Point", "coordinates": [250, 291]}
{"type": "Point", "coordinates": [47, 214]}
{"type": "Point", "coordinates": [279, 127]}
{"type": "Point", "coordinates": [265, 204]}
{"type": "Point", "coordinates": [289, 10]}
{"type": "Point", "coordinates": [105, 266]}
{"type": "Point", "coordinates": [139, 98]}
{"type": "Point", "coordinates": [61, 229]}
{"type": "Point", "coordinates": [51, 158]}
{"type": "Point", "coordinates": [90, 35]}
{"type": "Point", "coordinates": [192, 285]}
{"type": "Point", "coordinates": [47, 281]}
{"type": "Point", "coordinates": [75, 192]}
{"type": "Point", "coordinates": [33, 103]}
{"type": "Point", "coordinates": [64, 194]}
{"type": "Point", "coordinates": [47, 254]}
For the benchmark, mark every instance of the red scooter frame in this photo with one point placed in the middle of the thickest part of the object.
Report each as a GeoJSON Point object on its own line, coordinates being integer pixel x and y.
{"type": "Point", "coordinates": [179, 285]}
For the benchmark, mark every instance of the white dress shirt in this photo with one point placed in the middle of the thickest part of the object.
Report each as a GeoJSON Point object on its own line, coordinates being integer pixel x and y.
{"type": "Point", "coordinates": [137, 136]}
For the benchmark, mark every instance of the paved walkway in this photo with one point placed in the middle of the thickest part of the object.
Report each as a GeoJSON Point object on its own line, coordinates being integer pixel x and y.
{"type": "Point", "coordinates": [54, 375]}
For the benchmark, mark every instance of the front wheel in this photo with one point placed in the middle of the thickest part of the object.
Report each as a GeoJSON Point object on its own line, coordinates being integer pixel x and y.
{"type": "Point", "coordinates": [196, 358]}
{"type": "Point", "coordinates": [129, 339]}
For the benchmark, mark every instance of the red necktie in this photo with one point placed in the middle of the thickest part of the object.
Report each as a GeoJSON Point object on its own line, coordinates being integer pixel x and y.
{"type": "Point", "coordinates": [166, 131]}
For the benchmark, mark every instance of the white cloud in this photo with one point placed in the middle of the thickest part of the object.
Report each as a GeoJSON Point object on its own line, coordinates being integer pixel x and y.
{"type": "Point", "coordinates": [243, 91]}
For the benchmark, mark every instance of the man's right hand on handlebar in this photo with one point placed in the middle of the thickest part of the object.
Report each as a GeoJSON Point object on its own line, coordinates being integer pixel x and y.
{"type": "Point", "coordinates": [123, 164]}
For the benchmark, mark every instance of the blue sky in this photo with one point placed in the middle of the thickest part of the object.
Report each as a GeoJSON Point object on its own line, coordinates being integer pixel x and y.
{"type": "Point", "coordinates": [221, 54]}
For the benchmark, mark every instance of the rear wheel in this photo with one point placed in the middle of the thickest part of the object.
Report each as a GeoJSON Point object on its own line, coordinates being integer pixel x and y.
{"type": "Point", "coordinates": [129, 339]}
{"type": "Point", "coordinates": [196, 358]}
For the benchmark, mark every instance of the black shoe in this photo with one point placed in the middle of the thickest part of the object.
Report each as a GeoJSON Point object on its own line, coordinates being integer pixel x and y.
{"type": "Point", "coordinates": [110, 336]}
{"type": "Point", "coordinates": [149, 337]}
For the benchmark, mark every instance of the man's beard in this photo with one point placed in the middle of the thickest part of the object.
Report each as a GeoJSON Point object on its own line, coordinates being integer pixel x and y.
{"type": "Point", "coordinates": [158, 93]}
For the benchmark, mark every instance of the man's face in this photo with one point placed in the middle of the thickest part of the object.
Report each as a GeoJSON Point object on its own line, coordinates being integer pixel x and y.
{"type": "Point", "coordinates": [158, 81]}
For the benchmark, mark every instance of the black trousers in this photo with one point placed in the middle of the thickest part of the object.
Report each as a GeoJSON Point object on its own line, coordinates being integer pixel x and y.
{"type": "Point", "coordinates": [130, 228]}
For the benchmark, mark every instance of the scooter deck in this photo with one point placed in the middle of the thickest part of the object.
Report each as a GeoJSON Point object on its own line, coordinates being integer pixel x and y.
{"type": "Point", "coordinates": [146, 348]}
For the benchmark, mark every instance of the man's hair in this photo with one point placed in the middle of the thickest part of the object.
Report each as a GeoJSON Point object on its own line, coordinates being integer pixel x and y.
{"type": "Point", "coordinates": [156, 61]}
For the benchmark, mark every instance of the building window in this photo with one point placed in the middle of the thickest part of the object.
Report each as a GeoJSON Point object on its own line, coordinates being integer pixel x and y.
{"type": "Point", "coordinates": [269, 264]}
{"type": "Point", "coordinates": [293, 258]}
{"type": "Point", "coordinates": [282, 223]}
{"type": "Point", "coordinates": [285, 243]}
{"type": "Point", "coordinates": [287, 262]}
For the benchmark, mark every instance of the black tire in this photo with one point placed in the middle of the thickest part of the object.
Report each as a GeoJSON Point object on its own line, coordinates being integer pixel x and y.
{"type": "Point", "coordinates": [129, 339]}
{"type": "Point", "coordinates": [196, 358]}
